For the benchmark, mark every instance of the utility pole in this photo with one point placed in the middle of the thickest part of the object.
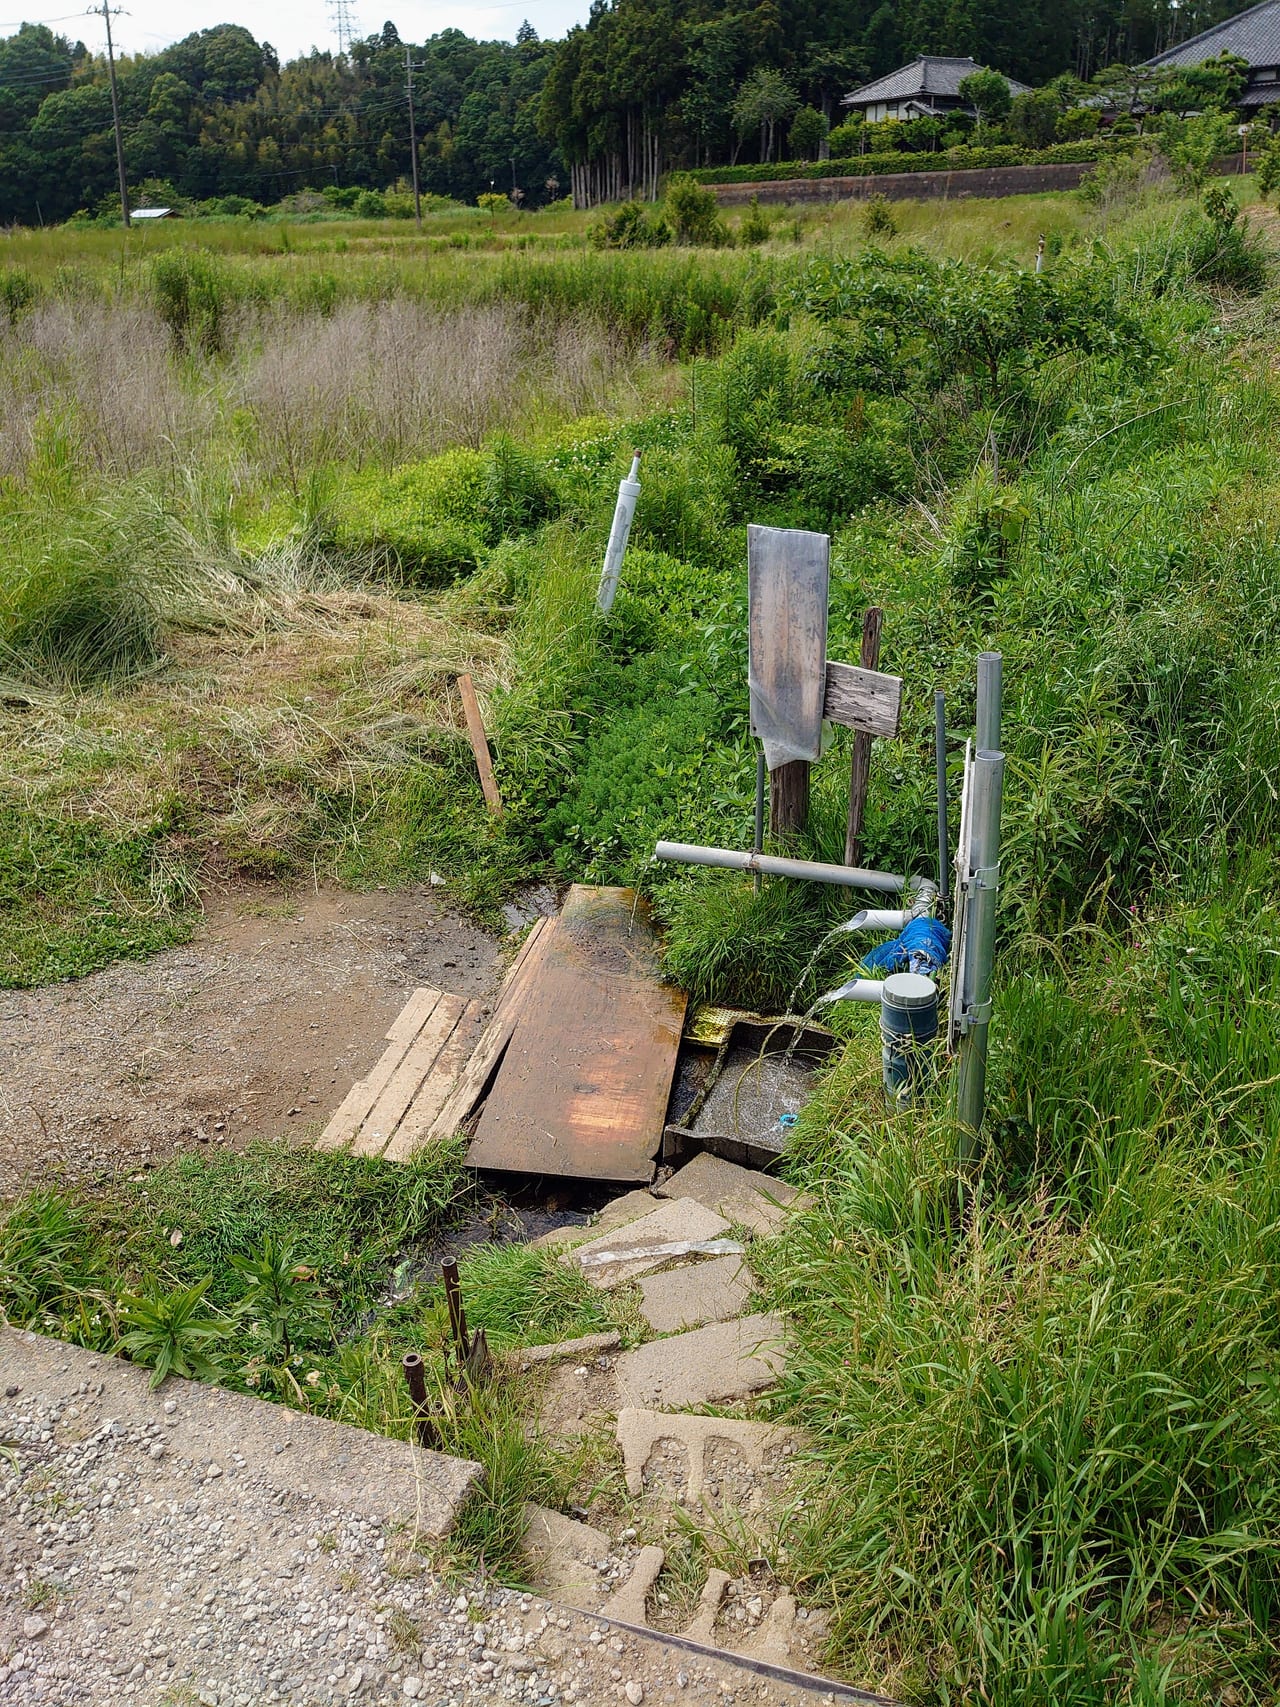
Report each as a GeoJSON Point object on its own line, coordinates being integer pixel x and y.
{"type": "Point", "coordinates": [409, 69]}
{"type": "Point", "coordinates": [106, 11]}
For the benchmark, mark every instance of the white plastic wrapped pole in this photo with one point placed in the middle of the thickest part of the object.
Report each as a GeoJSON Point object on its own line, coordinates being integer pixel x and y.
{"type": "Point", "coordinates": [628, 492]}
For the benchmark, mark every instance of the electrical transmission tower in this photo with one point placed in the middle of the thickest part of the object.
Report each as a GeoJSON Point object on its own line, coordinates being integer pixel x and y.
{"type": "Point", "coordinates": [344, 23]}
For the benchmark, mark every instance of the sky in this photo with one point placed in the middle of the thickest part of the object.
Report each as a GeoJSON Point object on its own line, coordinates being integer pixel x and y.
{"type": "Point", "coordinates": [294, 26]}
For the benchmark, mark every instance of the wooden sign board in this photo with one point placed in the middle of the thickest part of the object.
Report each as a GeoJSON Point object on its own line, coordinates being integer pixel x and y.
{"type": "Point", "coordinates": [788, 572]}
{"type": "Point", "coordinates": [861, 699]}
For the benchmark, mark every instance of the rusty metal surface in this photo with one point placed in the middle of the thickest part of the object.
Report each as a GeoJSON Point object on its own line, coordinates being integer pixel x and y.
{"type": "Point", "coordinates": [582, 1090]}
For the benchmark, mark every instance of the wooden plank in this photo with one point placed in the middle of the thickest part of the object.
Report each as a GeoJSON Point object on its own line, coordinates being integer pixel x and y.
{"type": "Point", "coordinates": [789, 798]}
{"type": "Point", "coordinates": [788, 572]}
{"type": "Point", "coordinates": [436, 1087]}
{"type": "Point", "coordinates": [352, 1110]}
{"type": "Point", "coordinates": [494, 1039]}
{"type": "Point", "coordinates": [409, 1021]}
{"type": "Point", "coordinates": [398, 1092]}
{"type": "Point", "coordinates": [863, 699]}
{"type": "Point", "coordinates": [480, 745]}
{"type": "Point", "coordinates": [584, 1085]}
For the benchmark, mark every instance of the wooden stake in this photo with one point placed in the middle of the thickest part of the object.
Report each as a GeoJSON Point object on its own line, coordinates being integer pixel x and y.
{"type": "Point", "coordinates": [860, 770]}
{"type": "Point", "coordinates": [480, 745]}
{"type": "Point", "coordinates": [789, 798]}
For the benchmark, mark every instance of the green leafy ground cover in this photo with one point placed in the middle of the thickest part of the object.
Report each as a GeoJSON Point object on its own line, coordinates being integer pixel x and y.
{"type": "Point", "coordinates": [1045, 1410]}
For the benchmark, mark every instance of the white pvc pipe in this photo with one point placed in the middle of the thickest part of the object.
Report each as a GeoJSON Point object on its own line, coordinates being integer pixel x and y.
{"type": "Point", "coordinates": [624, 512]}
{"type": "Point", "coordinates": [877, 919]}
{"type": "Point", "coordinates": [728, 859]}
{"type": "Point", "coordinates": [856, 990]}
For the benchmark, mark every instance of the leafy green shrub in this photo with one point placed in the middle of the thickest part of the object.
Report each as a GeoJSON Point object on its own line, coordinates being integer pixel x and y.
{"type": "Point", "coordinates": [172, 1333]}
{"type": "Point", "coordinates": [878, 219]}
{"type": "Point", "coordinates": [492, 202]}
{"type": "Point", "coordinates": [845, 139]}
{"type": "Point", "coordinates": [1223, 249]}
{"type": "Point", "coordinates": [631, 227]}
{"type": "Point", "coordinates": [431, 515]}
{"type": "Point", "coordinates": [518, 494]}
{"type": "Point", "coordinates": [18, 291]}
{"type": "Point", "coordinates": [756, 226]}
{"type": "Point", "coordinates": [192, 294]}
{"type": "Point", "coordinates": [808, 132]}
{"type": "Point", "coordinates": [370, 204]}
{"type": "Point", "coordinates": [684, 503]}
{"type": "Point", "coordinates": [693, 212]}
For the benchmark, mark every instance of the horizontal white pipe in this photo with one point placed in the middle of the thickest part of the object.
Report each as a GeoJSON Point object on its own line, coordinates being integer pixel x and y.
{"type": "Point", "coordinates": [856, 990]}
{"type": "Point", "coordinates": [877, 919]}
{"type": "Point", "coordinates": [728, 859]}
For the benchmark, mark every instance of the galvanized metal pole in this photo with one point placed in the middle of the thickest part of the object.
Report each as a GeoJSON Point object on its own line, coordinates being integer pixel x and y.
{"type": "Point", "coordinates": [940, 760]}
{"type": "Point", "coordinates": [990, 671]}
{"type": "Point", "coordinates": [757, 841]}
{"type": "Point", "coordinates": [983, 879]}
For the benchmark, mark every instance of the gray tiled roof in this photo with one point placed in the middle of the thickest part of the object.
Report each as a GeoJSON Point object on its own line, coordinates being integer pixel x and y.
{"type": "Point", "coordinates": [929, 75]}
{"type": "Point", "coordinates": [1253, 35]}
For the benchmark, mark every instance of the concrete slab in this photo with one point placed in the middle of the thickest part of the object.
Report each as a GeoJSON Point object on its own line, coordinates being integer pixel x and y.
{"type": "Point", "coordinates": [590, 1345]}
{"type": "Point", "coordinates": [250, 1439]}
{"type": "Point", "coordinates": [639, 1431]}
{"type": "Point", "coordinates": [703, 1627]}
{"type": "Point", "coordinates": [563, 1555]}
{"type": "Point", "coordinates": [687, 1297]}
{"type": "Point", "coordinates": [744, 1195]}
{"type": "Point", "coordinates": [628, 1603]}
{"type": "Point", "coordinates": [629, 1207]}
{"type": "Point", "coordinates": [727, 1360]}
{"type": "Point", "coordinates": [669, 1223]}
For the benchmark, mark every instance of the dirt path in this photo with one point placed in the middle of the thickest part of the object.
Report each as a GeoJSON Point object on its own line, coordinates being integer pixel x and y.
{"type": "Point", "coordinates": [259, 1025]}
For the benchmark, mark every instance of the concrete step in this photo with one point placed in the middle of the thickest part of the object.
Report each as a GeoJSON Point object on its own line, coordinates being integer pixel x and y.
{"type": "Point", "coordinates": [227, 1439]}
{"type": "Point", "coordinates": [744, 1196]}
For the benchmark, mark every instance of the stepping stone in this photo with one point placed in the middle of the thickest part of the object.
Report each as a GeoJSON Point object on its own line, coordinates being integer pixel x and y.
{"type": "Point", "coordinates": [727, 1360]}
{"type": "Point", "coordinates": [627, 1605]}
{"type": "Point", "coordinates": [629, 1207]}
{"type": "Point", "coordinates": [670, 1223]}
{"type": "Point", "coordinates": [639, 1431]}
{"type": "Point", "coordinates": [563, 1555]}
{"type": "Point", "coordinates": [703, 1628]}
{"type": "Point", "coordinates": [744, 1195]}
{"type": "Point", "coordinates": [590, 1345]}
{"type": "Point", "coordinates": [713, 1290]}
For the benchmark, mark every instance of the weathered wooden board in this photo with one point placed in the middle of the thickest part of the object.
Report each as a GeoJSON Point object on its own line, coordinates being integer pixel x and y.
{"type": "Point", "coordinates": [788, 573]}
{"type": "Point", "coordinates": [865, 700]}
{"type": "Point", "coordinates": [419, 1058]}
{"type": "Point", "coordinates": [496, 1035]}
{"type": "Point", "coordinates": [583, 1087]}
{"type": "Point", "coordinates": [437, 1085]}
{"type": "Point", "coordinates": [480, 745]}
{"type": "Point", "coordinates": [354, 1108]}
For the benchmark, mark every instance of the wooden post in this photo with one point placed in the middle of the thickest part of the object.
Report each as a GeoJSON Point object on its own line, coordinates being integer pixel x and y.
{"type": "Point", "coordinates": [480, 745]}
{"type": "Point", "coordinates": [860, 770]}
{"type": "Point", "coordinates": [789, 797]}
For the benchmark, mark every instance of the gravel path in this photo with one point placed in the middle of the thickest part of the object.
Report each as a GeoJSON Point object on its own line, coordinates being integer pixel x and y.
{"type": "Point", "coordinates": [136, 1566]}
{"type": "Point", "coordinates": [258, 1026]}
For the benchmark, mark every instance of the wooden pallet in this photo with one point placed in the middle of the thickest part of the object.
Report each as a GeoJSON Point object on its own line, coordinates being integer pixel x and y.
{"type": "Point", "coordinates": [439, 1057]}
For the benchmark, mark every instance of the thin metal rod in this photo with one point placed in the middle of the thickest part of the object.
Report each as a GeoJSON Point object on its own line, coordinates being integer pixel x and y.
{"type": "Point", "coordinates": [757, 844]}
{"type": "Point", "coordinates": [940, 755]}
{"type": "Point", "coordinates": [729, 859]}
{"type": "Point", "coordinates": [980, 930]}
{"type": "Point", "coordinates": [990, 669]}
{"type": "Point", "coordinates": [453, 1296]}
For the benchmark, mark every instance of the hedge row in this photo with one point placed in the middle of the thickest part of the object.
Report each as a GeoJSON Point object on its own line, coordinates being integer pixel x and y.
{"type": "Point", "coordinates": [948, 160]}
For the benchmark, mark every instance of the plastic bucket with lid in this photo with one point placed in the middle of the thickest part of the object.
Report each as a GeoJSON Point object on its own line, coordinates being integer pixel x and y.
{"type": "Point", "coordinates": [908, 1033]}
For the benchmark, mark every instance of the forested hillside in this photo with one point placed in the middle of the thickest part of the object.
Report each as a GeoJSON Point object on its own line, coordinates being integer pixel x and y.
{"type": "Point", "coordinates": [644, 86]}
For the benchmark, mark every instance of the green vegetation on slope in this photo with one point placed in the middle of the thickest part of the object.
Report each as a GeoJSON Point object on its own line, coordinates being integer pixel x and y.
{"type": "Point", "coordinates": [1045, 1413]}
